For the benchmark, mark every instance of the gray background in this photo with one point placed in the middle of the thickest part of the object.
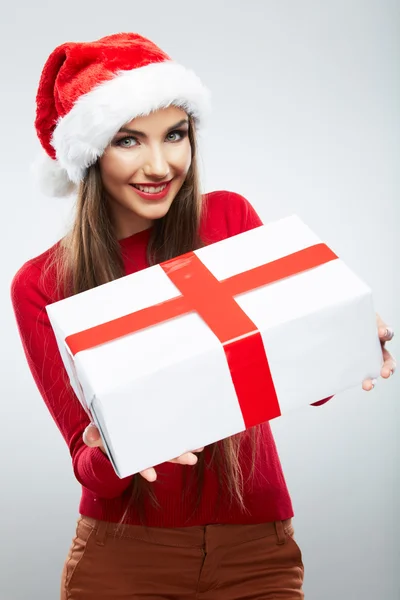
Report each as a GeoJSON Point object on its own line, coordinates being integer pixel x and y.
{"type": "Point", "coordinates": [306, 100]}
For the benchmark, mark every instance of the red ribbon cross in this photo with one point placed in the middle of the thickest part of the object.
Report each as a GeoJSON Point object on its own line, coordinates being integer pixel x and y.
{"type": "Point", "coordinates": [214, 301]}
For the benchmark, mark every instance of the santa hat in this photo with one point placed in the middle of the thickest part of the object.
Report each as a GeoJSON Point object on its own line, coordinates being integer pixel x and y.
{"type": "Point", "coordinates": [88, 91]}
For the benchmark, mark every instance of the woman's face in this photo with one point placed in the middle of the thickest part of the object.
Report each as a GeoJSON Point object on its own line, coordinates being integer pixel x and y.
{"type": "Point", "coordinates": [144, 168]}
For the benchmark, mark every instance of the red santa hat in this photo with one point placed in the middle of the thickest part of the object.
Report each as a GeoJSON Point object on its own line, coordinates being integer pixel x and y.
{"type": "Point", "coordinates": [89, 90]}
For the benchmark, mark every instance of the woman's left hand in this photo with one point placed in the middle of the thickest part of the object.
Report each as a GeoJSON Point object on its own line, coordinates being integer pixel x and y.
{"type": "Point", "coordinates": [389, 366]}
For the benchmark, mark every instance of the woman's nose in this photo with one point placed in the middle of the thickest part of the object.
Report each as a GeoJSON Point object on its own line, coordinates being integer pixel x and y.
{"type": "Point", "coordinates": [156, 166]}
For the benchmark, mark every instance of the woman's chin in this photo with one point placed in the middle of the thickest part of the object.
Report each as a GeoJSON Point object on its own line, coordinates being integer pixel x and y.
{"type": "Point", "coordinates": [128, 208]}
{"type": "Point", "coordinates": [154, 210]}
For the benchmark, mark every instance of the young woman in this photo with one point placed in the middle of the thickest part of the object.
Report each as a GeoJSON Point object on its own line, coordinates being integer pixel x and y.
{"type": "Point", "coordinates": [117, 120]}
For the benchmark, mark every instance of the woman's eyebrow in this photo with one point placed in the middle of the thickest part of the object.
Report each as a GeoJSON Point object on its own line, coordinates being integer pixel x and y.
{"type": "Point", "coordinates": [138, 133]}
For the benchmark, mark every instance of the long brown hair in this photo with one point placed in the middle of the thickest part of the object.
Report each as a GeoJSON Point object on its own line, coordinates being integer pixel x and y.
{"type": "Point", "coordinates": [89, 255]}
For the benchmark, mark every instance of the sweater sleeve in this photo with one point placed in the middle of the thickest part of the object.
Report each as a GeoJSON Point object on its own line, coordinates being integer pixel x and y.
{"type": "Point", "coordinates": [247, 216]}
{"type": "Point", "coordinates": [91, 466]}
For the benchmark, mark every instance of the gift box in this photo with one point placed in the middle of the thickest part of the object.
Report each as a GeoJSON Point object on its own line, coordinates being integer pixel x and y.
{"type": "Point", "coordinates": [201, 347]}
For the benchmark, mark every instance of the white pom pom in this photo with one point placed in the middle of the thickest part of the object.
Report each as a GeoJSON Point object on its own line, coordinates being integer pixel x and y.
{"type": "Point", "coordinates": [51, 178]}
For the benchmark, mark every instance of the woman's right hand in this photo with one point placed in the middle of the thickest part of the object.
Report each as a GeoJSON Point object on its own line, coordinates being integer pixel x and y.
{"type": "Point", "coordinates": [92, 438]}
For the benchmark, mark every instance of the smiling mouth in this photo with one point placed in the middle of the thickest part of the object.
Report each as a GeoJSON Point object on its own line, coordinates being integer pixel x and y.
{"type": "Point", "coordinates": [151, 189]}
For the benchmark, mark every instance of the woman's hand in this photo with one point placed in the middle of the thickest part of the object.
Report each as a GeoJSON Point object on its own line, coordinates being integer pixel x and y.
{"type": "Point", "coordinates": [92, 438]}
{"type": "Point", "coordinates": [389, 366]}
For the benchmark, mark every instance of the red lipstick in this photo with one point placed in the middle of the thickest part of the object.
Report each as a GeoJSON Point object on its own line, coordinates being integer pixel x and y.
{"type": "Point", "coordinates": [152, 196]}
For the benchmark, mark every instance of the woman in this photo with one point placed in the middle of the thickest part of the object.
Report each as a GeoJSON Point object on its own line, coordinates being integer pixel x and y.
{"type": "Point", "coordinates": [117, 120]}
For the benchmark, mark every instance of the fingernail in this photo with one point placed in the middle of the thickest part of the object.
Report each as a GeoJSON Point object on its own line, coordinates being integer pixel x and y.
{"type": "Point", "coordinates": [389, 333]}
{"type": "Point", "coordinates": [373, 383]}
{"type": "Point", "coordinates": [89, 433]}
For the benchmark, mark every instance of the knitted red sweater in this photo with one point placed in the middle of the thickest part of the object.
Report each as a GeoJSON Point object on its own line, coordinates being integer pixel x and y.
{"type": "Point", "coordinates": [104, 495]}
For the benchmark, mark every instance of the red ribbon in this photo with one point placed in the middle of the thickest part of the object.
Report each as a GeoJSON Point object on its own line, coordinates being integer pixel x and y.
{"type": "Point", "coordinates": [214, 301]}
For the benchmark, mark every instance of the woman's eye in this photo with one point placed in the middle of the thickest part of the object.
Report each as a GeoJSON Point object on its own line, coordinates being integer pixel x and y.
{"type": "Point", "coordinates": [174, 136]}
{"type": "Point", "coordinates": [127, 142]}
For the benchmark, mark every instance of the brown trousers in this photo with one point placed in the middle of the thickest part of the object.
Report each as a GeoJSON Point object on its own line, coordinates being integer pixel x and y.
{"type": "Point", "coordinates": [216, 562]}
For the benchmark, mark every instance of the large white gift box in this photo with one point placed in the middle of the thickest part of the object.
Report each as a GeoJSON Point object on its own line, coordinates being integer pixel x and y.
{"type": "Point", "coordinates": [199, 348]}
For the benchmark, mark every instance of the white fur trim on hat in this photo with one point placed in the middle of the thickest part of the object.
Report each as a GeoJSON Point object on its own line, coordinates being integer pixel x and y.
{"type": "Point", "coordinates": [51, 178]}
{"type": "Point", "coordinates": [82, 135]}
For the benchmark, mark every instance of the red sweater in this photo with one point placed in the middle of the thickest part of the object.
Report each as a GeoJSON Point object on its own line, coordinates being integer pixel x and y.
{"type": "Point", "coordinates": [104, 494]}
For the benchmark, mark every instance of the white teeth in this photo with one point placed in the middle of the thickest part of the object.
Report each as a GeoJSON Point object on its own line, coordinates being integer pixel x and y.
{"type": "Point", "coordinates": [150, 189]}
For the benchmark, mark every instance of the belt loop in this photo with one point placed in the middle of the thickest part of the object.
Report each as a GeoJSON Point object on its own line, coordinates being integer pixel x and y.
{"type": "Point", "coordinates": [280, 532]}
{"type": "Point", "coordinates": [101, 532]}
